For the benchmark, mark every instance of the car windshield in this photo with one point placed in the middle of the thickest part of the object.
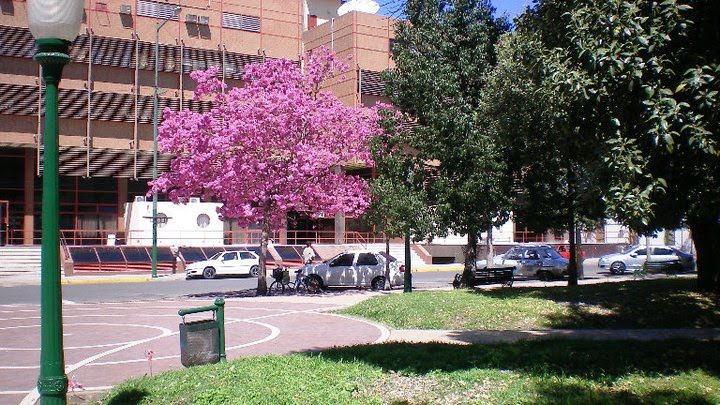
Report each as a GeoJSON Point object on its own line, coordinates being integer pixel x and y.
{"type": "Point", "coordinates": [216, 256]}
{"type": "Point", "coordinates": [387, 256]}
{"type": "Point", "coordinates": [551, 253]}
{"type": "Point", "coordinates": [629, 250]}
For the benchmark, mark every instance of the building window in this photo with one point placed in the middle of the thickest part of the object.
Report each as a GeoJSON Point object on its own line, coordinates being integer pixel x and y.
{"type": "Point", "coordinates": [241, 22]}
{"type": "Point", "coordinates": [157, 10]}
{"type": "Point", "coordinates": [203, 220]}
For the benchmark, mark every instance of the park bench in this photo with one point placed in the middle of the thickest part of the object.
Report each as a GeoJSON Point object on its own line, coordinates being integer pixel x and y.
{"type": "Point", "coordinates": [491, 275]}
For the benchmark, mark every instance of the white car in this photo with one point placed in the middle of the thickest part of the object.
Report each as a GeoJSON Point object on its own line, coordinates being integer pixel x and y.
{"type": "Point", "coordinates": [354, 269]}
{"type": "Point", "coordinates": [236, 262]}
{"type": "Point", "coordinates": [635, 256]}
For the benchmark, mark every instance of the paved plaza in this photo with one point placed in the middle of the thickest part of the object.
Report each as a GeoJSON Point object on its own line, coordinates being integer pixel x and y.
{"type": "Point", "coordinates": [108, 343]}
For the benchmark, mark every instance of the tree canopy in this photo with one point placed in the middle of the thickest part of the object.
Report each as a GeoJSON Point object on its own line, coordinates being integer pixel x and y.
{"type": "Point", "coordinates": [275, 145]}
{"type": "Point", "coordinates": [648, 71]}
{"type": "Point", "coordinates": [443, 53]}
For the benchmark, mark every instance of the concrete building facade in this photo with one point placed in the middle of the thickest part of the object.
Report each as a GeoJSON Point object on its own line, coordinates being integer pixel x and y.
{"type": "Point", "coordinates": [106, 96]}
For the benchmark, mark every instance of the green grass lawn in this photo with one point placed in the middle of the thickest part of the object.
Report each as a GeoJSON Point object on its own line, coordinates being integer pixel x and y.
{"type": "Point", "coordinates": [666, 303]}
{"type": "Point", "coordinates": [531, 372]}
{"type": "Point", "coordinates": [527, 372]}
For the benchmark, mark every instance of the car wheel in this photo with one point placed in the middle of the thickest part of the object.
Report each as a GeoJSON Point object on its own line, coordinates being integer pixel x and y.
{"type": "Point", "coordinates": [617, 268]}
{"type": "Point", "coordinates": [209, 272]}
{"type": "Point", "coordinates": [314, 283]}
{"type": "Point", "coordinates": [254, 271]}
{"type": "Point", "coordinates": [378, 284]}
{"type": "Point", "coordinates": [544, 275]}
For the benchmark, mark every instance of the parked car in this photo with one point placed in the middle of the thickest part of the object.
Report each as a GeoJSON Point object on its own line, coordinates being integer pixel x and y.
{"type": "Point", "coordinates": [541, 261]}
{"type": "Point", "coordinates": [635, 256]}
{"type": "Point", "coordinates": [354, 269]}
{"type": "Point", "coordinates": [236, 262]}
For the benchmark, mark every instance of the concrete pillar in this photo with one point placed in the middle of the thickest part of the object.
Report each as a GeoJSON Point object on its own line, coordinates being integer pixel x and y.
{"type": "Point", "coordinates": [29, 197]}
{"type": "Point", "coordinates": [122, 198]}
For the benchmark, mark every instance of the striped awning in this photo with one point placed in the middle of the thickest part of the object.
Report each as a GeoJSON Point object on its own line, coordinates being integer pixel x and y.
{"type": "Point", "coordinates": [18, 99]}
{"type": "Point", "coordinates": [108, 162]}
{"type": "Point", "coordinates": [370, 83]}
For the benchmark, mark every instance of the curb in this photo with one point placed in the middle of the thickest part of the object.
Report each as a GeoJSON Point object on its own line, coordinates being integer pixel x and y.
{"type": "Point", "coordinates": [115, 279]}
{"type": "Point", "coordinates": [439, 267]}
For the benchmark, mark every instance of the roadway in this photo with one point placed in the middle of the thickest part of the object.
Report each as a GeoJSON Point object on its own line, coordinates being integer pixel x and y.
{"type": "Point", "coordinates": [113, 289]}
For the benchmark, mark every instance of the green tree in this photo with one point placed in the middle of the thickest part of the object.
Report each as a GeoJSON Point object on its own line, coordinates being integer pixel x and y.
{"type": "Point", "coordinates": [549, 135]}
{"type": "Point", "coordinates": [443, 53]}
{"type": "Point", "coordinates": [399, 203]}
{"type": "Point", "coordinates": [650, 70]}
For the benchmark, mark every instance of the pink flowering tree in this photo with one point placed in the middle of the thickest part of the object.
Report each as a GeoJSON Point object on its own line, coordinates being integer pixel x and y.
{"type": "Point", "coordinates": [275, 145]}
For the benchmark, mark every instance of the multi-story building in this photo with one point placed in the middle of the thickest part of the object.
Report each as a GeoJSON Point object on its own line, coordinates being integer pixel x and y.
{"type": "Point", "coordinates": [106, 95]}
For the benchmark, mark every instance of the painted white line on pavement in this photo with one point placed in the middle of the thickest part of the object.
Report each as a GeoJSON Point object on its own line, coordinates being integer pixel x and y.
{"type": "Point", "coordinates": [384, 332]}
{"type": "Point", "coordinates": [274, 333]}
{"type": "Point", "coordinates": [34, 395]}
{"type": "Point", "coordinates": [64, 317]}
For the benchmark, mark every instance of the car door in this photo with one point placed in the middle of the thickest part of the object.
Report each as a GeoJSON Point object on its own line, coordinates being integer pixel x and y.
{"type": "Point", "coordinates": [662, 254]}
{"type": "Point", "coordinates": [637, 258]}
{"type": "Point", "coordinates": [247, 260]}
{"type": "Point", "coordinates": [341, 271]}
{"type": "Point", "coordinates": [367, 267]}
{"type": "Point", "coordinates": [530, 263]}
{"type": "Point", "coordinates": [511, 258]}
{"type": "Point", "coordinates": [228, 263]}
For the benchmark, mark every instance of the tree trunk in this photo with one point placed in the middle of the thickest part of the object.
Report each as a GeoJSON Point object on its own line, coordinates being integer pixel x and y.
{"type": "Point", "coordinates": [706, 236]}
{"type": "Point", "coordinates": [470, 252]}
{"type": "Point", "coordinates": [572, 265]}
{"type": "Point", "coordinates": [572, 229]}
{"type": "Point", "coordinates": [490, 253]}
{"type": "Point", "coordinates": [262, 278]}
{"type": "Point", "coordinates": [579, 255]}
{"type": "Point", "coordinates": [387, 264]}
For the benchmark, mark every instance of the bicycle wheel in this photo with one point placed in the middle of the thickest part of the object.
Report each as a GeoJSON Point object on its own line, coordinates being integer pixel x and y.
{"type": "Point", "coordinates": [301, 286]}
{"type": "Point", "coordinates": [274, 287]}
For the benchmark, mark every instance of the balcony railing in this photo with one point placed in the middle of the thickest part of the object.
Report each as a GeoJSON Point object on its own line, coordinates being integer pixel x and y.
{"type": "Point", "coordinates": [96, 237]}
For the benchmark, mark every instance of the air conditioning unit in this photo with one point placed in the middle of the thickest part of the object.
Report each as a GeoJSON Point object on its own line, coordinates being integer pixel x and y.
{"type": "Point", "coordinates": [194, 200]}
{"type": "Point", "coordinates": [203, 20]}
{"type": "Point", "coordinates": [139, 198]}
{"type": "Point", "coordinates": [125, 9]}
{"type": "Point", "coordinates": [191, 18]}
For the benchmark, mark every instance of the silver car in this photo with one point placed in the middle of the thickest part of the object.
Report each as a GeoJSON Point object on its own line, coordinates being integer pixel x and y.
{"type": "Point", "coordinates": [354, 269]}
{"type": "Point", "coordinates": [541, 261]}
{"type": "Point", "coordinates": [634, 257]}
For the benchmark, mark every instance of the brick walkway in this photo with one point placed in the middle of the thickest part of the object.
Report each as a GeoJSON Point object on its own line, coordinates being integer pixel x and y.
{"type": "Point", "coordinates": [107, 343]}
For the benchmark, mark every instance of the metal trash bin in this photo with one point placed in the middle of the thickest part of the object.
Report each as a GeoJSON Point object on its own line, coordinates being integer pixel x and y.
{"type": "Point", "coordinates": [199, 343]}
{"type": "Point", "coordinates": [203, 341]}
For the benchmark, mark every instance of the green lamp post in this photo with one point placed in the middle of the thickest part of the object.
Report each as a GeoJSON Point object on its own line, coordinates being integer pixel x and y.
{"type": "Point", "coordinates": [156, 114]}
{"type": "Point", "coordinates": [54, 24]}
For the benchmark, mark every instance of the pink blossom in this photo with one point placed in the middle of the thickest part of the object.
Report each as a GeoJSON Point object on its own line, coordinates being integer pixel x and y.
{"type": "Point", "coordinates": [277, 144]}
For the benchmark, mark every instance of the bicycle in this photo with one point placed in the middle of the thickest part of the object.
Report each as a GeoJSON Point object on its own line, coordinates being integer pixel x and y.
{"type": "Point", "coordinates": [282, 282]}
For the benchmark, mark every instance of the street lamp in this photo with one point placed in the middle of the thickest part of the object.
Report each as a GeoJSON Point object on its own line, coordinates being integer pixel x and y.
{"type": "Point", "coordinates": [158, 26]}
{"type": "Point", "coordinates": [54, 24]}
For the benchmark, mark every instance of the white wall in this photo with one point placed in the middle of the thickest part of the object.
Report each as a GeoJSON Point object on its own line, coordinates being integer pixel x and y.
{"type": "Point", "coordinates": [181, 229]}
{"type": "Point", "coordinates": [323, 9]}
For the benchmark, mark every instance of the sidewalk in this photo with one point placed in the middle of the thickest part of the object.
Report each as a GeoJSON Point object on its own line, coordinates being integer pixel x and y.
{"type": "Point", "coordinates": [511, 336]}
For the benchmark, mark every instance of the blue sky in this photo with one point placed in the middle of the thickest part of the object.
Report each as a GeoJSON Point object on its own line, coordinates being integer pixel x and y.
{"type": "Point", "coordinates": [511, 7]}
